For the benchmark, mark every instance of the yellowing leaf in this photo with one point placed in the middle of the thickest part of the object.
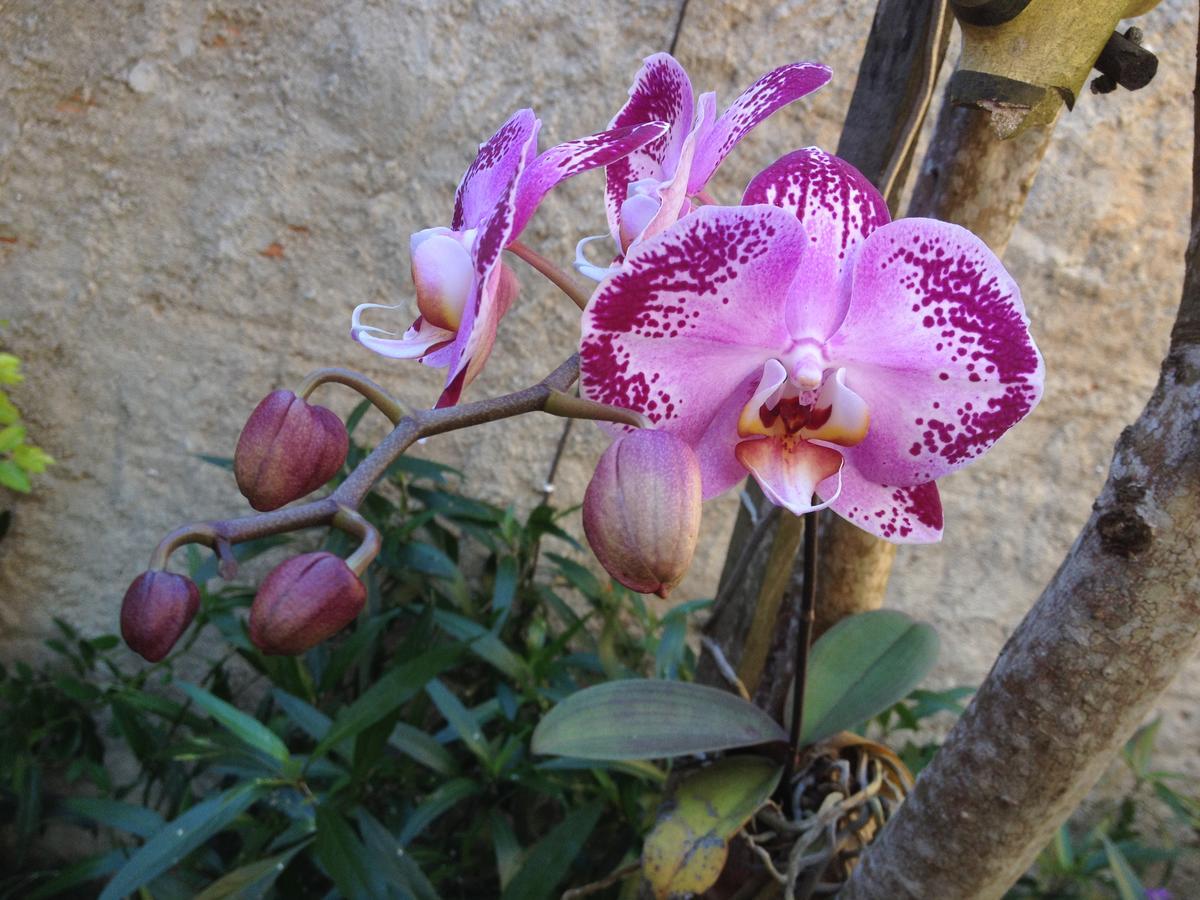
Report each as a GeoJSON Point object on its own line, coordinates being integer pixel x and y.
{"type": "Point", "coordinates": [686, 851]}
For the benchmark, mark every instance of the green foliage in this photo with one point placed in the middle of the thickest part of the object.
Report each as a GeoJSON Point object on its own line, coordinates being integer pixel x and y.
{"type": "Point", "coordinates": [393, 761]}
{"type": "Point", "coordinates": [18, 458]}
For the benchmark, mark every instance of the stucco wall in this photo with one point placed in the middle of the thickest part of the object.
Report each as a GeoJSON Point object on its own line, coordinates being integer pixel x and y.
{"type": "Point", "coordinates": [194, 196]}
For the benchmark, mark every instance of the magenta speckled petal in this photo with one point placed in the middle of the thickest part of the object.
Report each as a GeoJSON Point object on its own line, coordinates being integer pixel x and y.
{"type": "Point", "coordinates": [690, 315]}
{"type": "Point", "coordinates": [661, 92]}
{"type": "Point", "coordinates": [501, 159]}
{"type": "Point", "coordinates": [762, 99]}
{"type": "Point", "coordinates": [911, 515]}
{"type": "Point", "coordinates": [937, 343]}
{"type": "Point", "coordinates": [839, 208]}
{"type": "Point", "coordinates": [571, 158]}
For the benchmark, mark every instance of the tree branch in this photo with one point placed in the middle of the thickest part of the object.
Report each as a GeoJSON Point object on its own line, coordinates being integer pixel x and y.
{"type": "Point", "coordinates": [1116, 623]}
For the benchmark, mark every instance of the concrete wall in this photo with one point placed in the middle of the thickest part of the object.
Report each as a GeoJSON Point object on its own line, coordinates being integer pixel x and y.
{"type": "Point", "coordinates": [195, 195]}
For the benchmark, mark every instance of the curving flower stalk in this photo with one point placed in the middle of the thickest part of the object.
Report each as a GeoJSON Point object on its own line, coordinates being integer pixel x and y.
{"type": "Point", "coordinates": [463, 288]}
{"type": "Point", "coordinates": [806, 340]}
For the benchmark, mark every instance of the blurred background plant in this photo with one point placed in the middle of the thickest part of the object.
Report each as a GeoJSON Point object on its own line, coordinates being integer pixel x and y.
{"type": "Point", "coordinates": [393, 761]}
{"type": "Point", "coordinates": [18, 458]}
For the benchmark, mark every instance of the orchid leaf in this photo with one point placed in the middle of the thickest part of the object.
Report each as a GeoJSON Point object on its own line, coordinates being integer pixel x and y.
{"type": "Point", "coordinates": [1128, 885]}
{"type": "Point", "coordinates": [685, 852]}
{"type": "Point", "coordinates": [649, 719]}
{"type": "Point", "coordinates": [861, 666]}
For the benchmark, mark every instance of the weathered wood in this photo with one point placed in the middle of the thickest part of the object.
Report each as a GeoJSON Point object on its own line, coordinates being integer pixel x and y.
{"type": "Point", "coordinates": [1104, 640]}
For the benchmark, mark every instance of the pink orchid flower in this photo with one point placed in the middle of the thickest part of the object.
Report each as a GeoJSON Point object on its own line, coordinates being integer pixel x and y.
{"type": "Point", "coordinates": [809, 341]}
{"type": "Point", "coordinates": [648, 190]}
{"type": "Point", "coordinates": [462, 286]}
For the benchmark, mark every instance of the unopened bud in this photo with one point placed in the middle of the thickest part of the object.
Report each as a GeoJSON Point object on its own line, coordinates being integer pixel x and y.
{"type": "Point", "coordinates": [641, 512]}
{"type": "Point", "coordinates": [288, 449]}
{"type": "Point", "coordinates": [304, 601]}
{"type": "Point", "coordinates": [157, 609]}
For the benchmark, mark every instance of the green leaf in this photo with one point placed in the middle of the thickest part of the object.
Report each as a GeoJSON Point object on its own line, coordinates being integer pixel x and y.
{"type": "Point", "coordinates": [13, 477]}
{"type": "Point", "coordinates": [181, 837]}
{"type": "Point", "coordinates": [506, 846]}
{"type": "Point", "coordinates": [645, 719]}
{"type": "Point", "coordinates": [251, 881]}
{"type": "Point", "coordinates": [458, 717]}
{"type": "Point", "coordinates": [344, 857]}
{"type": "Point", "coordinates": [127, 817]}
{"type": "Point", "coordinates": [399, 868]}
{"type": "Point", "coordinates": [32, 459]}
{"type": "Point", "coordinates": [685, 852]}
{"type": "Point", "coordinates": [247, 729]}
{"type": "Point", "coordinates": [861, 666]}
{"type": "Point", "coordinates": [221, 462]}
{"type": "Point", "coordinates": [390, 692]}
{"type": "Point", "coordinates": [426, 559]}
{"type": "Point", "coordinates": [424, 749]}
{"type": "Point", "coordinates": [483, 643]}
{"type": "Point", "coordinates": [438, 801]}
{"type": "Point", "coordinates": [1140, 748]}
{"type": "Point", "coordinates": [1128, 885]}
{"type": "Point", "coordinates": [550, 859]}
{"type": "Point", "coordinates": [307, 717]}
{"type": "Point", "coordinates": [504, 588]}
{"type": "Point", "coordinates": [90, 869]}
{"type": "Point", "coordinates": [10, 437]}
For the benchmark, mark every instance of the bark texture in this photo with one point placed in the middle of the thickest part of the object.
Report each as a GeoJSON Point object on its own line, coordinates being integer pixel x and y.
{"type": "Point", "coordinates": [1117, 622]}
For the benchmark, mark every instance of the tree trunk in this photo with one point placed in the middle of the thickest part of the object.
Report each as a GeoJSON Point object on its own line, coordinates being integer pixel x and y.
{"type": "Point", "coordinates": [1119, 619]}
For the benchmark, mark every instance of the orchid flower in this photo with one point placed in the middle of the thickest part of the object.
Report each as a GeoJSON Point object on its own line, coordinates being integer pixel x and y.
{"type": "Point", "coordinates": [462, 286]}
{"type": "Point", "coordinates": [805, 339]}
{"type": "Point", "coordinates": [650, 189]}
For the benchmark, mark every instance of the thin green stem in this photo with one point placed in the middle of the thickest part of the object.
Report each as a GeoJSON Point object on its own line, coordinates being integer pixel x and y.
{"type": "Point", "coordinates": [555, 274]}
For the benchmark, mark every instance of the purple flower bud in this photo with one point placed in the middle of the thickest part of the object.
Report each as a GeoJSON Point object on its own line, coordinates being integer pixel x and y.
{"type": "Point", "coordinates": [304, 601]}
{"type": "Point", "coordinates": [641, 512]}
{"type": "Point", "coordinates": [157, 609]}
{"type": "Point", "coordinates": [288, 448]}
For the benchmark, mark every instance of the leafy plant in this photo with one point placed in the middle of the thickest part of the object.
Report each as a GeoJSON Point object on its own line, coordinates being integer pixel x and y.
{"type": "Point", "coordinates": [18, 458]}
{"type": "Point", "coordinates": [393, 761]}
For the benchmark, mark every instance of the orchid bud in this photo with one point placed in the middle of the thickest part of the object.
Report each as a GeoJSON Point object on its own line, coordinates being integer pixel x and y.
{"type": "Point", "coordinates": [304, 601]}
{"type": "Point", "coordinates": [288, 448]}
{"type": "Point", "coordinates": [157, 609]}
{"type": "Point", "coordinates": [641, 512]}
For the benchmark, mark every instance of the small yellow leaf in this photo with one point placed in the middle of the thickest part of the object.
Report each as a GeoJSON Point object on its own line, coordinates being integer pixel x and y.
{"type": "Point", "coordinates": [686, 851]}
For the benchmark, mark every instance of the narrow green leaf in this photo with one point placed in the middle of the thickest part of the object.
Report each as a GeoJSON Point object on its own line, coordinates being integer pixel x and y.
{"type": "Point", "coordinates": [246, 728]}
{"type": "Point", "coordinates": [423, 748]}
{"type": "Point", "coordinates": [1128, 885]}
{"type": "Point", "coordinates": [861, 666]}
{"type": "Point", "coordinates": [483, 643]}
{"type": "Point", "coordinates": [506, 846]}
{"type": "Point", "coordinates": [221, 462]}
{"type": "Point", "coordinates": [307, 717]}
{"type": "Point", "coordinates": [91, 869]}
{"type": "Point", "coordinates": [550, 859]}
{"type": "Point", "coordinates": [251, 881]}
{"type": "Point", "coordinates": [1140, 748]}
{"type": "Point", "coordinates": [504, 588]}
{"type": "Point", "coordinates": [648, 719]}
{"type": "Point", "coordinates": [458, 717]}
{"type": "Point", "coordinates": [127, 817]}
{"type": "Point", "coordinates": [344, 857]}
{"type": "Point", "coordinates": [390, 692]}
{"type": "Point", "coordinates": [441, 799]}
{"type": "Point", "coordinates": [181, 837]}
{"type": "Point", "coordinates": [399, 868]}
{"type": "Point", "coordinates": [426, 559]}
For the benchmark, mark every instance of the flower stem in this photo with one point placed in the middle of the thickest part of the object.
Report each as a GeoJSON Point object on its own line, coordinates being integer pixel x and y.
{"type": "Point", "coordinates": [571, 407]}
{"type": "Point", "coordinates": [808, 607]}
{"type": "Point", "coordinates": [558, 276]}
{"type": "Point", "coordinates": [351, 522]}
{"type": "Point", "coordinates": [380, 398]}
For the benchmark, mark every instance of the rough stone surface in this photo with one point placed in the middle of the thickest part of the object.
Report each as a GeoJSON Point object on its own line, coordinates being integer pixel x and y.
{"type": "Point", "coordinates": [194, 196]}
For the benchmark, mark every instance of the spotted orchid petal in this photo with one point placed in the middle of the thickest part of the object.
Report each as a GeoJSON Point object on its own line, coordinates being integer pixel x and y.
{"type": "Point", "coordinates": [570, 158]}
{"type": "Point", "coordinates": [911, 515]}
{"type": "Point", "coordinates": [416, 342]}
{"type": "Point", "coordinates": [501, 159]}
{"type": "Point", "coordinates": [691, 314]}
{"type": "Point", "coordinates": [936, 341]}
{"type": "Point", "coordinates": [661, 92]}
{"type": "Point", "coordinates": [839, 208]}
{"type": "Point", "coordinates": [762, 99]}
{"type": "Point", "coordinates": [788, 470]}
